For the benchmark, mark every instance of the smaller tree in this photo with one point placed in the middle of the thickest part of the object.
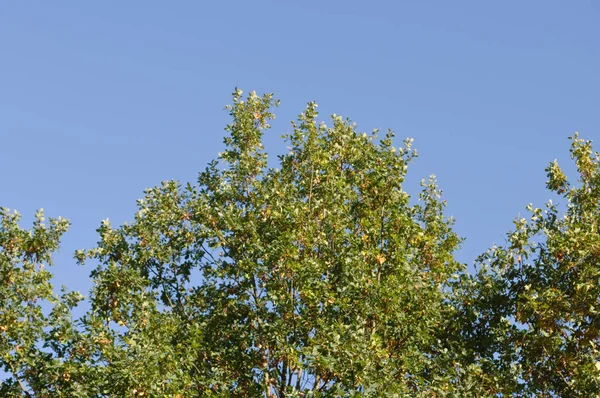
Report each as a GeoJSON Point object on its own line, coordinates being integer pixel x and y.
{"type": "Point", "coordinates": [35, 344]}
{"type": "Point", "coordinates": [531, 312]}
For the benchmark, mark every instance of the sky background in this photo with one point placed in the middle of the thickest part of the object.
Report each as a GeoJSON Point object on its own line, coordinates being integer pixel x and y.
{"type": "Point", "coordinates": [100, 100]}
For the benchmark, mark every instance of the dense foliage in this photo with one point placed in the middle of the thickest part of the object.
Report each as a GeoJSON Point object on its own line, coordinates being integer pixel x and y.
{"type": "Point", "coordinates": [531, 312]}
{"type": "Point", "coordinates": [318, 278]}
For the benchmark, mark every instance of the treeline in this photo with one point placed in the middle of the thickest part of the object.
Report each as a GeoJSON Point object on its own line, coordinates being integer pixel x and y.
{"type": "Point", "coordinates": [316, 279]}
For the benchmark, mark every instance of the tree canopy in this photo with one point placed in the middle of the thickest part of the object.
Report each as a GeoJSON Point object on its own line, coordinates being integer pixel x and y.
{"type": "Point", "coordinates": [318, 278]}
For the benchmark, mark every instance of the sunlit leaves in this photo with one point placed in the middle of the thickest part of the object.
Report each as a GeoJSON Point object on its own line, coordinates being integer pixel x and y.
{"type": "Point", "coordinates": [546, 280]}
{"type": "Point", "coordinates": [320, 277]}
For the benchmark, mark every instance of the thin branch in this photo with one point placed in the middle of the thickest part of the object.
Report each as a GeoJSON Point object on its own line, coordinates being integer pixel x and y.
{"type": "Point", "coordinates": [14, 372]}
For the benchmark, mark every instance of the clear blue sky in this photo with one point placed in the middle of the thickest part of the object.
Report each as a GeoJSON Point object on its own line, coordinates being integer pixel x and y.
{"type": "Point", "coordinates": [101, 99]}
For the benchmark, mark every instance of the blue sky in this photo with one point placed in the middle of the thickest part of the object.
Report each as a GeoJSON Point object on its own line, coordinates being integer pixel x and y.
{"type": "Point", "coordinates": [99, 100]}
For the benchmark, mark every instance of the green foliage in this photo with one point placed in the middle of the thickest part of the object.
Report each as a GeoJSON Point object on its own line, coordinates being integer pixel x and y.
{"type": "Point", "coordinates": [318, 278]}
{"type": "Point", "coordinates": [530, 313]}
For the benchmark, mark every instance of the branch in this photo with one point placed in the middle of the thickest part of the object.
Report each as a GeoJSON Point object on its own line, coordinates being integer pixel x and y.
{"type": "Point", "coordinates": [14, 372]}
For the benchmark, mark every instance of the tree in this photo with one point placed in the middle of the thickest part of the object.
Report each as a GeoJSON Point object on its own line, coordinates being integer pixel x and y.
{"type": "Point", "coordinates": [531, 312]}
{"type": "Point", "coordinates": [318, 278]}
